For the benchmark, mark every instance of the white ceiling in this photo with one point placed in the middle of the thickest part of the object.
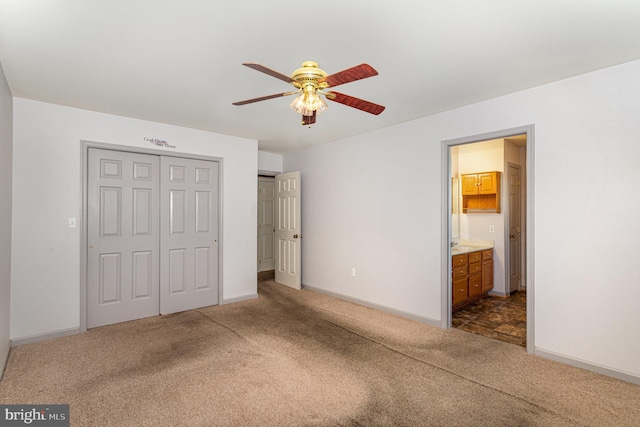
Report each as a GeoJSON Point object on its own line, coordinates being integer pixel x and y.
{"type": "Point", "coordinates": [179, 62]}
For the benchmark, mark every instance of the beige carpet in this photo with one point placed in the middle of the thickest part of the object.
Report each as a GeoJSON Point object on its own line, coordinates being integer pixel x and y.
{"type": "Point", "coordinates": [299, 358]}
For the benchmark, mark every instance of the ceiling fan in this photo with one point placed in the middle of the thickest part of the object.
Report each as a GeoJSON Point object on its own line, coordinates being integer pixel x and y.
{"type": "Point", "coordinates": [310, 82]}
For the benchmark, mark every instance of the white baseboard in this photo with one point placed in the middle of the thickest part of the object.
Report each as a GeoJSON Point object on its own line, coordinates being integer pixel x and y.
{"type": "Point", "coordinates": [44, 337]}
{"type": "Point", "coordinates": [238, 299]}
{"type": "Point", "coordinates": [499, 294]}
{"type": "Point", "coordinates": [588, 366]}
{"type": "Point", "coordinates": [386, 309]}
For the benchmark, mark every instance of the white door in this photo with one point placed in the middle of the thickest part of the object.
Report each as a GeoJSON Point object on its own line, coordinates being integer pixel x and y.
{"type": "Point", "coordinates": [515, 273]}
{"type": "Point", "coordinates": [288, 231]}
{"type": "Point", "coordinates": [189, 234]}
{"type": "Point", "coordinates": [266, 223]}
{"type": "Point", "coordinates": [122, 237]}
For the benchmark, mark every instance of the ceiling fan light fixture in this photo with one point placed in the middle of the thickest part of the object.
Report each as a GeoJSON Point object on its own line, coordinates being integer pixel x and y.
{"type": "Point", "coordinates": [310, 82]}
{"type": "Point", "coordinates": [308, 102]}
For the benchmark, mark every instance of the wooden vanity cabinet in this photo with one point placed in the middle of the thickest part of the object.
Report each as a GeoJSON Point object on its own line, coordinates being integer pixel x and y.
{"type": "Point", "coordinates": [472, 277]}
{"type": "Point", "coordinates": [480, 192]}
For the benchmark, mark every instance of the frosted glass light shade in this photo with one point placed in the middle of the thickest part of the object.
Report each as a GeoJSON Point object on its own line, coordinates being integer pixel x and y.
{"type": "Point", "coordinates": [308, 102]}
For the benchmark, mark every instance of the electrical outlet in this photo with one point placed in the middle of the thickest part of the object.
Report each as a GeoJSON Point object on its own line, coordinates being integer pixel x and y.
{"type": "Point", "coordinates": [353, 272]}
{"type": "Point", "coordinates": [492, 229]}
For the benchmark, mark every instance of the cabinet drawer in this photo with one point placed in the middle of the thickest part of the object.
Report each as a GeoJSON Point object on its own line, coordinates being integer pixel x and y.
{"type": "Point", "coordinates": [460, 292]}
{"type": "Point", "coordinates": [475, 256]}
{"type": "Point", "coordinates": [458, 260]}
{"type": "Point", "coordinates": [487, 254]}
{"type": "Point", "coordinates": [475, 268]}
{"type": "Point", "coordinates": [459, 272]}
{"type": "Point", "coordinates": [475, 285]}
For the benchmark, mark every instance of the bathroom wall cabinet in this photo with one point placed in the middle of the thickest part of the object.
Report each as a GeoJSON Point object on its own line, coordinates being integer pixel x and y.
{"type": "Point", "coordinates": [480, 192]}
{"type": "Point", "coordinates": [472, 277]}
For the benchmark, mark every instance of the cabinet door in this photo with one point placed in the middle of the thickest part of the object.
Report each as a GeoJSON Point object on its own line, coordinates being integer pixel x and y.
{"type": "Point", "coordinates": [487, 183]}
{"type": "Point", "coordinates": [460, 292]}
{"type": "Point", "coordinates": [469, 184]}
{"type": "Point", "coordinates": [487, 275]}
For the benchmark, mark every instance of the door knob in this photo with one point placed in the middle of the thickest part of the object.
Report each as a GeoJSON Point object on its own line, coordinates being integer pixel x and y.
{"type": "Point", "coordinates": [512, 236]}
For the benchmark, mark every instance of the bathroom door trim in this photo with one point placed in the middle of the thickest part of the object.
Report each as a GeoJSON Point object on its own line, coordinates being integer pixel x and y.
{"type": "Point", "coordinates": [445, 304]}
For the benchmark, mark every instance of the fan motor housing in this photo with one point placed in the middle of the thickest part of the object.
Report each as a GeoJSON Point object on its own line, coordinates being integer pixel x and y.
{"type": "Point", "coordinates": [309, 72]}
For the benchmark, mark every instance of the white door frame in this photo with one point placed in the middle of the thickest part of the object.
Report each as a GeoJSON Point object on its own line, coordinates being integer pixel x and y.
{"type": "Point", "coordinates": [445, 304]}
{"type": "Point", "coordinates": [84, 156]}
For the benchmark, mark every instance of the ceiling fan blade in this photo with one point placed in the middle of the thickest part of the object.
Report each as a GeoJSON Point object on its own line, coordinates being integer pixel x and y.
{"type": "Point", "coordinates": [262, 98]}
{"type": "Point", "coordinates": [354, 102]}
{"type": "Point", "coordinates": [263, 69]}
{"type": "Point", "coordinates": [309, 120]}
{"type": "Point", "coordinates": [358, 72]}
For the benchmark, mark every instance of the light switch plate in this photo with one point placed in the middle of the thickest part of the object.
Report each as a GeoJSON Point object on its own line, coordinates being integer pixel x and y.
{"type": "Point", "coordinates": [72, 223]}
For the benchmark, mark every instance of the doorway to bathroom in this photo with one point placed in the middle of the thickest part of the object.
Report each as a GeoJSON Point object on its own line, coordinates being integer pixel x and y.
{"type": "Point", "coordinates": [488, 288]}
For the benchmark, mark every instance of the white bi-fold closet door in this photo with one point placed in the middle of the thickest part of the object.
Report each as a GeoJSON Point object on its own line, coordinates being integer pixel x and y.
{"type": "Point", "coordinates": [152, 232]}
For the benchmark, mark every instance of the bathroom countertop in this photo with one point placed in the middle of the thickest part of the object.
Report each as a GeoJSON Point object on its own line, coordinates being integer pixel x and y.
{"type": "Point", "coordinates": [466, 246]}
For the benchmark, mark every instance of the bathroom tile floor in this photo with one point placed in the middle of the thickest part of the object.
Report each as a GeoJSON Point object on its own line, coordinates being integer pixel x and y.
{"type": "Point", "coordinates": [503, 319]}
